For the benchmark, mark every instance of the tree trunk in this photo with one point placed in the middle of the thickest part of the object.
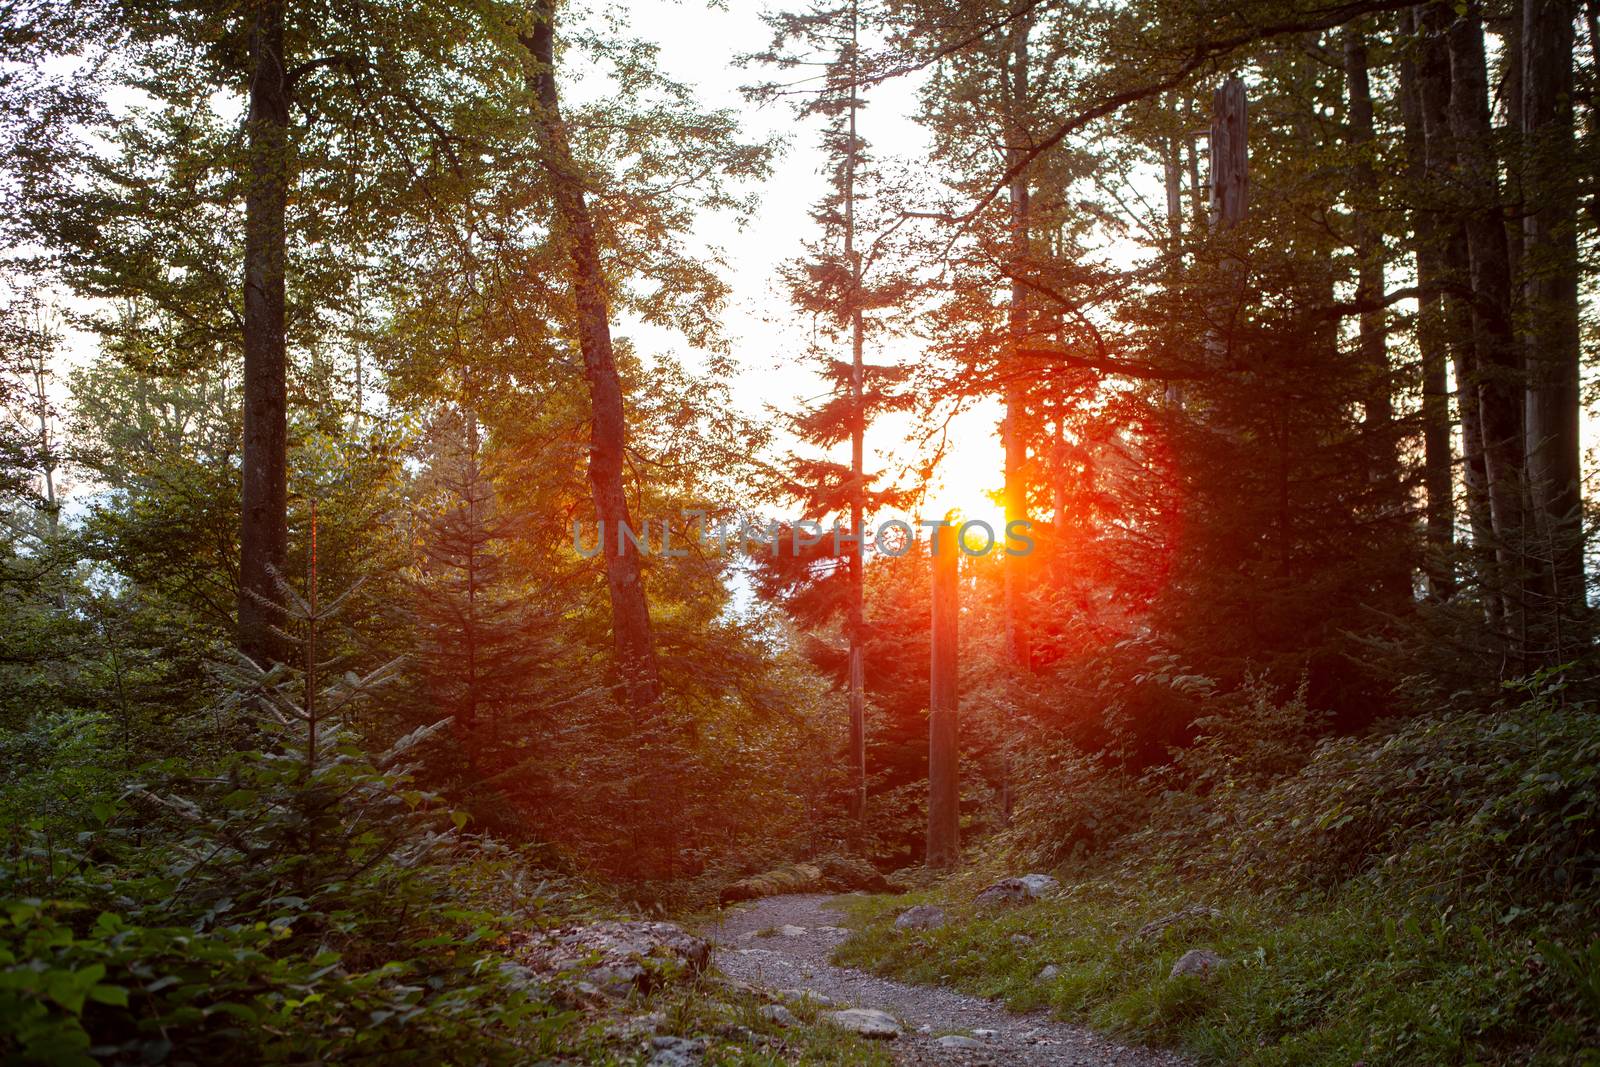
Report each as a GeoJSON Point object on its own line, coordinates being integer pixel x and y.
{"type": "Point", "coordinates": [1015, 442]}
{"type": "Point", "coordinates": [1550, 183]}
{"type": "Point", "coordinates": [1499, 361]}
{"type": "Point", "coordinates": [1448, 240]}
{"type": "Point", "coordinates": [1432, 346]}
{"type": "Point", "coordinates": [856, 623]}
{"type": "Point", "coordinates": [944, 792]}
{"type": "Point", "coordinates": [1368, 235]}
{"type": "Point", "coordinates": [630, 612]}
{"type": "Point", "coordinates": [263, 531]}
{"type": "Point", "coordinates": [1511, 136]}
{"type": "Point", "coordinates": [1172, 173]}
{"type": "Point", "coordinates": [1013, 437]}
{"type": "Point", "coordinates": [1378, 425]}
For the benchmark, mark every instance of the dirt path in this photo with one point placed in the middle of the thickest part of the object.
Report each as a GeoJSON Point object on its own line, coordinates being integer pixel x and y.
{"type": "Point", "coordinates": [799, 960]}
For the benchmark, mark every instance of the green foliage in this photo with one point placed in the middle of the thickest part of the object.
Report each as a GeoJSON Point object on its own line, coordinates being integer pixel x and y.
{"type": "Point", "coordinates": [1072, 803]}
{"type": "Point", "coordinates": [146, 993]}
{"type": "Point", "coordinates": [300, 899]}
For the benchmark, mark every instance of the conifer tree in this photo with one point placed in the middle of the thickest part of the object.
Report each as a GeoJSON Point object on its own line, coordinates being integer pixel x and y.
{"type": "Point", "coordinates": [845, 283]}
{"type": "Point", "coordinates": [482, 648]}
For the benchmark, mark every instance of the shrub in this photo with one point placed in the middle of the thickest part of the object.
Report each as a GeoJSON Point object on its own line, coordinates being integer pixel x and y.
{"type": "Point", "coordinates": [1071, 804]}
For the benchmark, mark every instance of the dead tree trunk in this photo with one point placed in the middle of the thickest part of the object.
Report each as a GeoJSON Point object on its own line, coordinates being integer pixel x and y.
{"type": "Point", "coordinates": [1172, 173]}
{"type": "Point", "coordinates": [1550, 233]}
{"type": "Point", "coordinates": [1368, 236]}
{"type": "Point", "coordinates": [630, 612]}
{"type": "Point", "coordinates": [264, 491]}
{"type": "Point", "coordinates": [944, 791]}
{"type": "Point", "coordinates": [1230, 194]}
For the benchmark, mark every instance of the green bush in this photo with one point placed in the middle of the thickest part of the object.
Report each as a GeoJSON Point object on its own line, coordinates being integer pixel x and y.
{"type": "Point", "coordinates": [1071, 804]}
{"type": "Point", "coordinates": [77, 991]}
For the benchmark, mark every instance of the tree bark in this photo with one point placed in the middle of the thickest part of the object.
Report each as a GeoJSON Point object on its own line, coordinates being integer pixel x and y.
{"type": "Point", "coordinates": [1015, 442]}
{"type": "Point", "coordinates": [1172, 173]}
{"type": "Point", "coordinates": [1372, 327]}
{"type": "Point", "coordinates": [1368, 236]}
{"type": "Point", "coordinates": [630, 612]}
{"type": "Point", "coordinates": [263, 532]}
{"type": "Point", "coordinates": [1449, 243]}
{"type": "Point", "coordinates": [1499, 360]}
{"type": "Point", "coordinates": [1550, 241]}
{"type": "Point", "coordinates": [1432, 345]}
{"type": "Point", "coordinates": [944, 793]}
{"type": "Point", "coordinates": [1511, 136]}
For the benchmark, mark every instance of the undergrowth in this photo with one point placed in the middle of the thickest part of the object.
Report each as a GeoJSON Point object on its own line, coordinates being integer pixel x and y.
{"type": "Point", "coordinates": [1425, 895]}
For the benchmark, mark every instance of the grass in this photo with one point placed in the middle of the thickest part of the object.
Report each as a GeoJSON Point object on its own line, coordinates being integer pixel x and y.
{"type": "Point", "coordinates": [1337, 978]}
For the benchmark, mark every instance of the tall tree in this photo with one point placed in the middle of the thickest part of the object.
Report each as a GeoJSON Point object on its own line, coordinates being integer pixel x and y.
{"type": "Point", "coordinates": [264, 500]}
{"type": "Point", "coordinates": [1438, 478]}
{"type": "Point", "coordinates": [847, 280]}
{"type": "Point", "coordinates": [1550, 257]}
{"type": "Point", "coordinates": [1018, 134]}
{"type": "Point", "coordinates": [608, 433]}
{"type": "Point", "coordinates": [1499, 378]}
{"type": "Point", "coordinates": [944, 781]}
{"type": "Point", "coordinates": [1447, 240]}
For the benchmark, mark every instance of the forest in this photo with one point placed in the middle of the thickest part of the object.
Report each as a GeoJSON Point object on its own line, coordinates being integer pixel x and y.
{"type": "Point", "coordinates": [799, 531]}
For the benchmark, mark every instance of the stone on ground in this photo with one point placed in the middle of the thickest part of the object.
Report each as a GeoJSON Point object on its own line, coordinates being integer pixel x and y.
{"type": "Point", "coordinates": [619, 957]}
{"type": "Point", "coordinates": [868, 1022]}
{"type": "Point", "coordinates": [675, 1052]}
{"type": "Point", "coordinates": [920, 917]}
{"type": "Point", "coordinates": [787, 930]}
{"type": "Point", "coordinates": [638, 1026]}
{"type": "Point", "coordinates": [1200, 962]}
{"type": "Point", "coordinates": [957, 1041]}
{"type": "Point", "coordinates": [777, 1013]}
{"type": "Point", "coordinates": [1023, 890]}
{"type": "Point", "coordinates": [1048, 973]}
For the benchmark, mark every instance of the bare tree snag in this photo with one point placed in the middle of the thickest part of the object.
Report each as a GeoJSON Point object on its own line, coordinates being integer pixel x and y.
{"type": "Point", "coordinates": [1230, 192]}
{"type": "Point", "coordinates": [630, 612]}
{"type": "Point", "coordinates": [1230, 155]}
{"type": "Point", "coordinates": [1372, 326]}
{"type": "Point", "coordinates": [944, 793]}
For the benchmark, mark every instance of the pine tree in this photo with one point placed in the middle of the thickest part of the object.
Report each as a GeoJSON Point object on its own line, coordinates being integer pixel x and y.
{"type": "Point", "coordinates": [483, 648]}
{"type": "Point", "coordinates": [846, 276]}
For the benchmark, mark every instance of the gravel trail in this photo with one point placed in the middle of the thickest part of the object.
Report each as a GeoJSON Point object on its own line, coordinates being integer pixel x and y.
{"type": "Point", "coordinates": [797, 959]}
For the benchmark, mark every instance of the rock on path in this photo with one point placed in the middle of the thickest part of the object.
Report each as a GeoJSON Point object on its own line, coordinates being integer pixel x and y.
{"type": "Point", "coordinates": [800, 963]}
